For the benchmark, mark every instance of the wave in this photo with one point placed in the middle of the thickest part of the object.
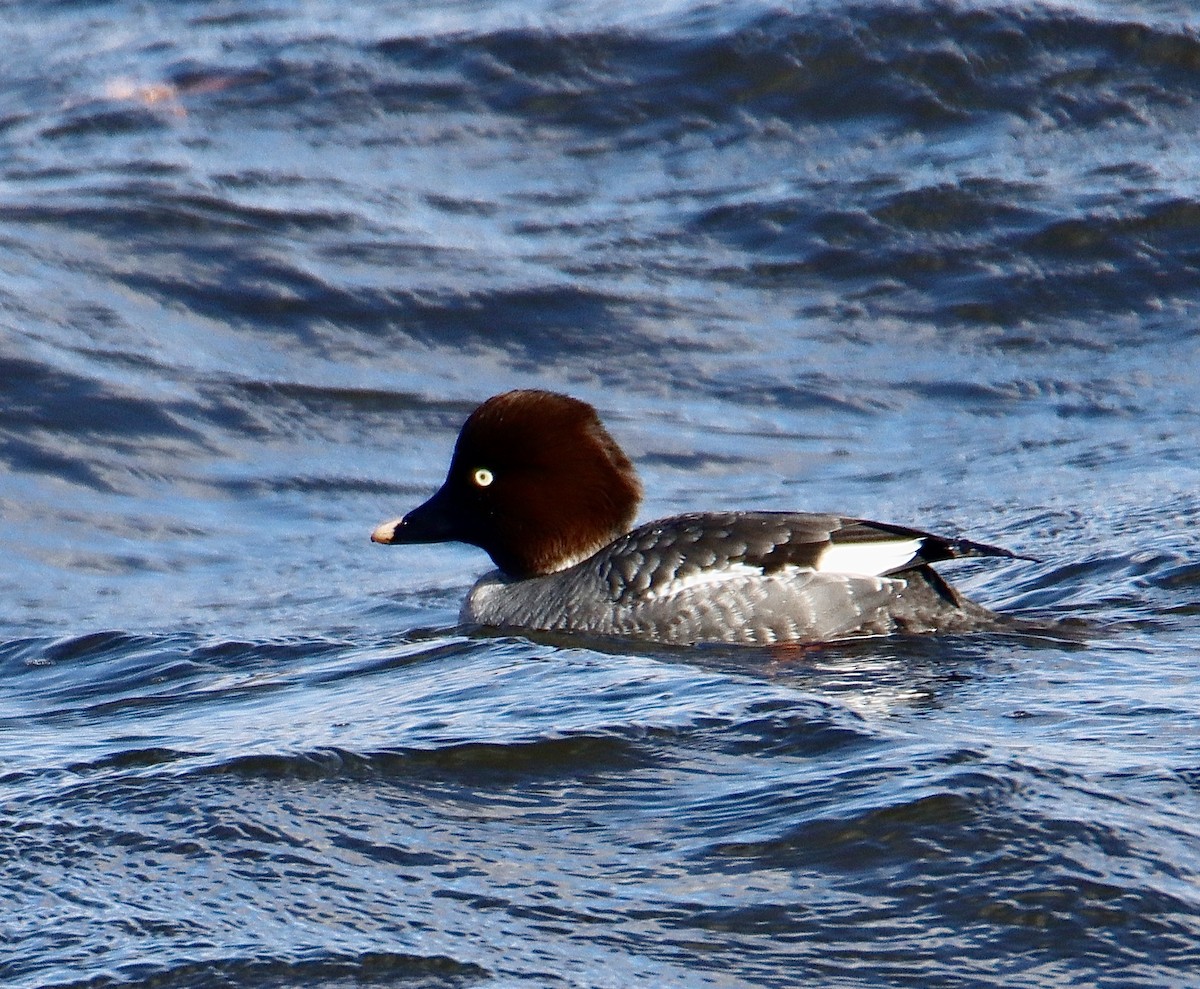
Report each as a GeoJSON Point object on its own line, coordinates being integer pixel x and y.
{"type": "Point", "coordinates": [327, 968]}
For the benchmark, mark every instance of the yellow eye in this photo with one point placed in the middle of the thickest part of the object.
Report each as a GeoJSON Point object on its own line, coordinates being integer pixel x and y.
{"type": "Point", "coordinates": [482, 477]}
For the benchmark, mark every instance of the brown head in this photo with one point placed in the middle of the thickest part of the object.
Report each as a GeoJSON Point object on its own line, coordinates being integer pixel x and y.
{"type": "Point", "coordinates": [535, 480]}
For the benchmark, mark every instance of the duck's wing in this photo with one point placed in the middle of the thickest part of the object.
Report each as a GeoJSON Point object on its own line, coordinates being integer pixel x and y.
{"type": "Point", "coordinates": [784, 576]}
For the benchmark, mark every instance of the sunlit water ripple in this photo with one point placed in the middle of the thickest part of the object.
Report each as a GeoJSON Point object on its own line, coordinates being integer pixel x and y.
{"type": "Point", "coordinates": [935, 264]}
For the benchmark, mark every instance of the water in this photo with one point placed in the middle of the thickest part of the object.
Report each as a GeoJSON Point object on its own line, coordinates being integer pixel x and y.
{"type": "Point", "coordinates": [934, 264]}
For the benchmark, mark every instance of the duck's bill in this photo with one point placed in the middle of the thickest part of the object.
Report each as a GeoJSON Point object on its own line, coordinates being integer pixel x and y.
{"type": "Point", "coordinates": [432, 522]}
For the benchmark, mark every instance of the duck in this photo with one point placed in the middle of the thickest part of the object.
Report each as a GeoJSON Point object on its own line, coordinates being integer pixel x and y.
{"type": "Point", "coordinates": [539, 484]}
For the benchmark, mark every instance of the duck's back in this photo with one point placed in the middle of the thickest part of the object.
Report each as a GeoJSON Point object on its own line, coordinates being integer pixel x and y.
{"type": "Point", "coordinates": [744, 578]}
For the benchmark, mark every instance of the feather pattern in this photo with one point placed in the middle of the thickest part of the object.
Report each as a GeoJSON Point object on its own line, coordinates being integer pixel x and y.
{"type": "Point", "coordinates": [740, 577]}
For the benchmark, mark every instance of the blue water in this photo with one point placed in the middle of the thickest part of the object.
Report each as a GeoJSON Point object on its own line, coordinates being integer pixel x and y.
{"type": "Point", "coordinates": [934, 264]}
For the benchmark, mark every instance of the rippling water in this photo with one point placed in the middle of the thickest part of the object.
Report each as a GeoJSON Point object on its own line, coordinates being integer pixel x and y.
{"type": "Point", "coordinates": [936, 264]}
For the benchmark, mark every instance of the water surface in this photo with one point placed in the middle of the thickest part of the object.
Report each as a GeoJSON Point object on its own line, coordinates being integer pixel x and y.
{"type": "Point", "coordinates": [935, 264]}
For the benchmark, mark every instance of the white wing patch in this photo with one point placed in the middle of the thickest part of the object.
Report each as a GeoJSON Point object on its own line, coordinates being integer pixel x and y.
{"type": "Point", "coordinates": [869, 559]}
{"type": "Point", "coordinates": [709, 578]}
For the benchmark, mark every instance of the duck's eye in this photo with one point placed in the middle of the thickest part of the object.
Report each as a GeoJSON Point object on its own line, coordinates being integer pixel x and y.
{"type": "Point", "coordinates": [482, 477]}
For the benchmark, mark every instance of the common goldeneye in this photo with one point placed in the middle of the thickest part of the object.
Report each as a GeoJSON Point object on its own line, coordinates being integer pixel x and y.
{"type": "Point", "coordinates": [537, 482]}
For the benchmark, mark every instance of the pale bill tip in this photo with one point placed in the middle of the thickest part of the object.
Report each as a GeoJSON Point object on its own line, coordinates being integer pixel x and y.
{"type": "Point", "coordinates": [386, 532]}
